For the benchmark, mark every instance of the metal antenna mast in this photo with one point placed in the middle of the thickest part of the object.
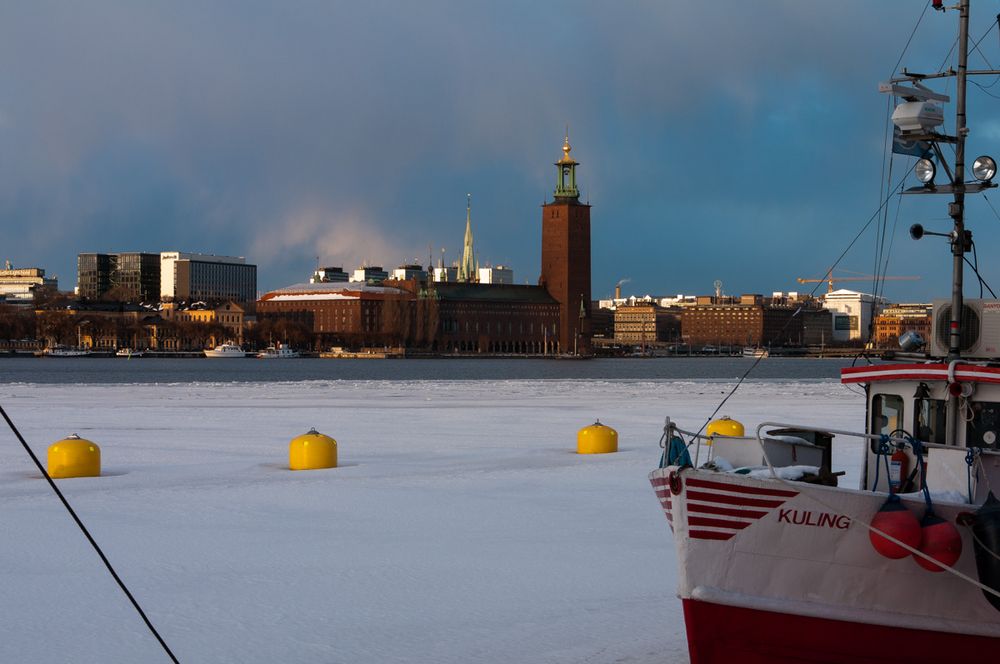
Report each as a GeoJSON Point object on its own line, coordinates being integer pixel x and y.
{"type": "Point", "coordinates": [915, 121]}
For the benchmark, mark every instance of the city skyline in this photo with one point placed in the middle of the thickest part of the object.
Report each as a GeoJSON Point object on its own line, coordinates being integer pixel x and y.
{"type": "Point", "coordinates": [731, 142]}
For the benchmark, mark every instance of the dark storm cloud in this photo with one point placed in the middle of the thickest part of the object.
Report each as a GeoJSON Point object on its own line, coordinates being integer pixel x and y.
{"type": "Point", "coordinates": [352, 131]}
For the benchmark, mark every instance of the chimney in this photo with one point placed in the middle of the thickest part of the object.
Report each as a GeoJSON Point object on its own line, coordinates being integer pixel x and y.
{"type": "Point", "coordinates": [618, 291]}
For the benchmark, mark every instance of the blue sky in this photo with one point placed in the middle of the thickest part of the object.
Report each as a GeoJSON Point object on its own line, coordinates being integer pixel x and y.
{"type": "Point", "coordinates": [722, 140]}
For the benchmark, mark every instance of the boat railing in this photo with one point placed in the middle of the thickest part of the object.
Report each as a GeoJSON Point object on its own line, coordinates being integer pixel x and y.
{"type": "Point", "coordinates": [697, 437]}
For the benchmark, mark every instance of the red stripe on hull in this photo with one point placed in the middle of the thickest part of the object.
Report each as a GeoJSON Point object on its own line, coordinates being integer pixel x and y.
{"type": "Point", "coordinates": [709, 535]}
{"type": "Point", "coordinates": [716, 523]}
{"type": "Point", "coordinates": [752, 490]}
{"type": "Point", "coordinates": [719, 634]}
{"type": "Point", "coordinates": [732, 500]}
{"type": "Point", "coordinates": [725, 511]}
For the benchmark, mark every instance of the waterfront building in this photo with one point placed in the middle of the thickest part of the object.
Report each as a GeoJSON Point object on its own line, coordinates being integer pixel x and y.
{"type": "Point", "coordinates": [326, 275]}
{"type": "Point", "coordinates": [21, 286]}
{"type": "Point", "coordinates": [206, 277]}
{"type": "Point", "coordinates": [341, 314]}
{"type": "Point", "coordinates": [410, 271]}
{"type": "Point", "coordinates": [229, 317]}
{"type": "Point", "coordinates": [748, 320]}
{"type": "Point", "coordinates": [565, 270]}
{"type": "Point", "coordinates": [124, 277]}
{"type": "Point", "coordinates": [646, 324]}
{"type": "Point", "coordinates": [896, 320]}
{"type": "Point", "coordinates": [817, 326]}
{"type": "Point", "coordinates": [494, 318]}
{"type": "Point", "coordinates": [853, 314]}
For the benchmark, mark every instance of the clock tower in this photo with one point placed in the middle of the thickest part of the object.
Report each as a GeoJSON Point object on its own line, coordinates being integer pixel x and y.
{"type": "Point", "coordinates": [566, 259]}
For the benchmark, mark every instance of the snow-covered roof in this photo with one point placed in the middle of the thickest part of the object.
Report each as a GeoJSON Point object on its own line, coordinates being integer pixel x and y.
{"type": "Point", "coordinates": [335, 290]}
{"type": "Point", "coordinates": [300, 297]}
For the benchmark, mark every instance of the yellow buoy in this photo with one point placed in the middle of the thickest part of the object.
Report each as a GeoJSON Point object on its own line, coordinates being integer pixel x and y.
{"type": "Point", "coordinates": [311, 451]}
{"type": "Point", "coordinates": [596, 439]}
{"type": "Point", "coordinates": [723, 426]}
{"type": "Point", "coordinates": [74, 457]}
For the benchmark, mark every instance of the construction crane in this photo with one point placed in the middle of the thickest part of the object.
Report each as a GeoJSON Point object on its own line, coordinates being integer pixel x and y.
{"type": "Point", "coordinates": [829, 279]}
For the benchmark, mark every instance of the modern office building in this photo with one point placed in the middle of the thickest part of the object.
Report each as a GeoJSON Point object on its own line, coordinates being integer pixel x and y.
{"type": "Point", "coordinates": [125, 277]}
{"type": "Point", "coordinates": [496, 275]}
{"type": "Point", "coordinates": [410, 271]}
{"type": "Point", "coordinates": [447, 274]}
{"type": "Point", "coordinates": [20, 286]}
{"type": "Point", "coordinates": [327, 275]}
{"type": "Point", "coordinates": [369, 274]}
{"type": "Point", "coordinates": [206, 277]}
{"type": "Point", "coordinates": [853, 314]}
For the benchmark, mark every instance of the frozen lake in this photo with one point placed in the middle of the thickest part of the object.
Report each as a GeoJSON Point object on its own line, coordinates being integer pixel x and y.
{"type": "Point", "coordinates": [460, 527]}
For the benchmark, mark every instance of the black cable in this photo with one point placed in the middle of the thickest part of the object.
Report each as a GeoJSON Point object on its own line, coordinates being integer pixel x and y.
{"type": "Point", "coordinates": [982, 282]}
{"type": "Point", "coordinates": [985, 91]}
{"type": "Point", "coordinates": [86, 533]}
{"type": "Point", "coordinates": [912, 33]}
{"type": "Point", "coordinates": [975, 268]}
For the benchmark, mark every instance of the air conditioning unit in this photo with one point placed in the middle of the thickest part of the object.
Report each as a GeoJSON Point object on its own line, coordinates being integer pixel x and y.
{"type": "Point", "coordinates": [980, 337]}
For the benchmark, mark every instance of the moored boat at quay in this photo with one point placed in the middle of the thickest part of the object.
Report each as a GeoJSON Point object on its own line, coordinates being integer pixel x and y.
{"type": "Point", "coordinates": [226, 350]}
{"type": "Point", "coordinates": [278, 352]}
{"type": "Point", "coordinates": [65, 351]}
{"type": "Point", "coordinates": [778, 563]}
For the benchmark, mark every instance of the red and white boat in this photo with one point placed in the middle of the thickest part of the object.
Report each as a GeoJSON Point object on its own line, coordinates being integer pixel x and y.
{"type": "Point", "coordinates": [780, 564]}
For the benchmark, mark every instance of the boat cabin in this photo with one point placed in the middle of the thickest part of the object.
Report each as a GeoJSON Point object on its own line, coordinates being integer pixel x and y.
{"type": "Point", "coordinates": [914, 400]}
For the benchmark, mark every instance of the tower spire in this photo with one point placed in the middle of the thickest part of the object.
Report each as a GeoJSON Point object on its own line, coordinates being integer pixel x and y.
{"type": "Point", "coordinates": [566, 173]}
{"type": "Point", "coordinates": [467, 268]}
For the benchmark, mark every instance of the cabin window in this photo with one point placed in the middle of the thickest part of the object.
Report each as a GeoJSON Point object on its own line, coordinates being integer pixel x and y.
{"type": "Point", "coordinates": [983, 428]}
{"type": "Point", "coordinates": [887, 414]}
{"type": "Point", "coordinates": [929, 420]}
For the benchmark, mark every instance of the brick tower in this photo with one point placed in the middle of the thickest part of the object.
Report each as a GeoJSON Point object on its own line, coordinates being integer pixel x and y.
{"type": "Point", "coordinates": [566, 259]}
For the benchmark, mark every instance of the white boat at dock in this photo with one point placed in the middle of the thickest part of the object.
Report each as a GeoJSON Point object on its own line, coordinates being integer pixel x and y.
{"type": "Point", "coordinates": [226, 350]}
{"type": "Point", "coordinates": [278, 352]}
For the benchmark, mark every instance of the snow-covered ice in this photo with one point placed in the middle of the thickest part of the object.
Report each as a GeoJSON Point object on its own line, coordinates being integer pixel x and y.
{"type": "Point", "coordinates": [460, 527]}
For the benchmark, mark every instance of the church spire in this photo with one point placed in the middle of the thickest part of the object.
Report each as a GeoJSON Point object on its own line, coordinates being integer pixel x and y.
{"type": "Point", "coordinates": [467, 268]}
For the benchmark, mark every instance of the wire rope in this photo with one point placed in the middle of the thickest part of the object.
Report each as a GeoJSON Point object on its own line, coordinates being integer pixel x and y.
{"type": "Point", "coordinates": [90, 538]}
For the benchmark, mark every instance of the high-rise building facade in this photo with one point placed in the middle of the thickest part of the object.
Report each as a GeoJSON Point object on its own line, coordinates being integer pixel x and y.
{"type": "Point", "coordinates": [566, 257]}
{"type": "Point", "coordinates": [206, 277]}
{"type": "Point", "coordinates": [127, 276]}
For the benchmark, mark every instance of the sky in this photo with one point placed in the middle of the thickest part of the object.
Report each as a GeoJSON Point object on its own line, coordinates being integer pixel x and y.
{"type": "Point", "coordinates": [733, 141]}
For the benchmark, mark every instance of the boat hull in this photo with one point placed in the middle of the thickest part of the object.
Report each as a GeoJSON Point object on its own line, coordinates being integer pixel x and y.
{"type": "Point", "coordinates": [718, 633]}
{"type": "Point", "coordinates": [776, 571]}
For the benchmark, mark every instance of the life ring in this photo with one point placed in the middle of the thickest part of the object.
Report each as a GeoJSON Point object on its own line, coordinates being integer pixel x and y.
{"type": "Point", "coordinates": [675, 482]}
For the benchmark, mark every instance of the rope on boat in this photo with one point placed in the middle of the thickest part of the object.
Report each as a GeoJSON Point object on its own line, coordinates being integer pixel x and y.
{"type": "Point", "coordinates": [86, 533]}
{"type": "Point", "coordinates": [802, 489]}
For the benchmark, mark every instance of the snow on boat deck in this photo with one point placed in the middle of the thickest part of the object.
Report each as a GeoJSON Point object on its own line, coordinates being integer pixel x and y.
{"type": "Point", "coordinates": [460, 526]}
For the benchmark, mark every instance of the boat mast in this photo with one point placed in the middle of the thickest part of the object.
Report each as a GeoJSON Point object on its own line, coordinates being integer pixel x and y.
{"type": "Point", "coordinates": [957, 208]}
{"type": "Point", "coordinates": [924, 134]}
